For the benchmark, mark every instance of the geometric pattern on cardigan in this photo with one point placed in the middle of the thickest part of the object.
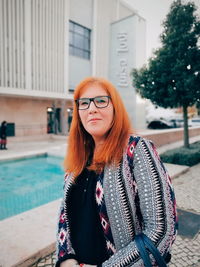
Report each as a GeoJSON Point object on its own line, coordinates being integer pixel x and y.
{"type": "Point", "coordinates": [103, 215]}
{"type": "Point", "coordinates": [151, 203]}
{"type": "Point", "coordinates": [63, 244]}
{"type": "Point", "coordinates": [122, 217]}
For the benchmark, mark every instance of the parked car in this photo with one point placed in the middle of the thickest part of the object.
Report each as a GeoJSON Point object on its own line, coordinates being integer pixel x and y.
{"type": "Point", "coordinates": [195, 122]}
{"type": "Point", "coordinates": [160, 124]}
{"type": "Point", "coordinates": [172, 123]}
{"type": "Point", "coordinates": [177, 123]}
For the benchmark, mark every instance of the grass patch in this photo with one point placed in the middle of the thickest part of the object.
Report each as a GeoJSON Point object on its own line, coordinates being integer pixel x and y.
{"type": "Point", "coordinates": [183, 156]}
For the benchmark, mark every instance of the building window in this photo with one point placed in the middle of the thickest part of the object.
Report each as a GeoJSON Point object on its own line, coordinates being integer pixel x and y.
{"type": "Point", "coordinates": [79, 40]}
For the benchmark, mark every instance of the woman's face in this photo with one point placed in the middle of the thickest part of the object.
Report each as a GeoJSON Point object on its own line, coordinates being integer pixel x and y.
{"type": "Point", "coordinates": [96, 121]}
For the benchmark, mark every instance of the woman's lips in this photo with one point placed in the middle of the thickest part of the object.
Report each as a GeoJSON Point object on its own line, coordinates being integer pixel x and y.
{"type": "Point", "coordinates": [94, 119]}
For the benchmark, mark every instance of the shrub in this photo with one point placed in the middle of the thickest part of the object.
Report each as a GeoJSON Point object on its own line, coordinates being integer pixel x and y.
{"type": "Point", "coordinates": [183, 156]}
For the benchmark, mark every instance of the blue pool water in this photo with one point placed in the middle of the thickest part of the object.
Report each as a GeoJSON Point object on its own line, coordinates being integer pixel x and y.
{"type": "Point", "coordinates": [29, 183]}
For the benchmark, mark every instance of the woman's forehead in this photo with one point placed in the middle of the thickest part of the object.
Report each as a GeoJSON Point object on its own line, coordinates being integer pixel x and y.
{"type": "Point", "coordinates": [92, 90]}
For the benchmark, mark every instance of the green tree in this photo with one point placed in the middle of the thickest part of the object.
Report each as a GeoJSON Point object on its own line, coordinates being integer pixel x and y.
{"type": "Point", "coordinates": [172, 76]}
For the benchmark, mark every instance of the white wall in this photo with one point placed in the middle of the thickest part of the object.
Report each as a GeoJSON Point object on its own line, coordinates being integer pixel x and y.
{"type": "Point", "coordinates": [97, 16]}
{"type": "Point", "coordinates": [33, 52]}
{"type": "Point", "coordinates": [140, 41]}
{"type": "Point", "coordinates": [127, 51]}
{"type": "Point", "coordinates": [103, 17]}
{"type": "Point", "coordinates": [81, 12]}
{"type": "Point", "coordinates": [107, 12]}
{"type": "Point", "coordinates": [49, 70]}
{"type": "Point", "coordinates": [122, 60]}
{"type": "Point", "coordinates": [124, 11]}
{"type": "Point", "coordinates": [79, 68]}
{"type": "Point", "coordinates": [140, 59]}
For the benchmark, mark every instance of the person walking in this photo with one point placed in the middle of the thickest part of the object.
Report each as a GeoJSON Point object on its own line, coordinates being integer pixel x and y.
{"type": "Point", "coordinates": [3, 135]}
{"type": "Point", "coordinates": [69, 120]}
{"type": "Point", "coordinates": [116, 187]}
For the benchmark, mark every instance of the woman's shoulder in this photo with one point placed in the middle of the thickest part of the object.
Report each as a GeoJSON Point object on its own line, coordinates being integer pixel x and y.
{"type": "Point", "coordinates": [135, 141]}
{"type": "Point", "coordinates": [132, 143]}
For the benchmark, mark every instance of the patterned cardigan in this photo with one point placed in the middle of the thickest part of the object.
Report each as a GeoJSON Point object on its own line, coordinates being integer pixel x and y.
{"type": "Point", "coordinates": [137, 196]}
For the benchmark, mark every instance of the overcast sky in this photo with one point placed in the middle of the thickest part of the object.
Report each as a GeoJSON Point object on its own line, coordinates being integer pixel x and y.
{"type": "Point", "coordinates": [154, 11]}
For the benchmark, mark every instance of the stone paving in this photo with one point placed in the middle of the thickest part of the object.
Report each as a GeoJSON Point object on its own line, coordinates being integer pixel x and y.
{"type": "Point", "coordinates": [186, 251]}
{"type": "Point", "coordinates": [187, 189]}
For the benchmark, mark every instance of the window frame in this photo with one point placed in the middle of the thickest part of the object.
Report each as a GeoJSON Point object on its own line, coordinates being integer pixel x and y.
{"type": "Point", "coordinates": [83, 50]}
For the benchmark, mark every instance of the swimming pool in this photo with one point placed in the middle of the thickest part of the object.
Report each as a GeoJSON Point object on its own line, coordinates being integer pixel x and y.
{"type": "Point", "coordinates": [29, 183]}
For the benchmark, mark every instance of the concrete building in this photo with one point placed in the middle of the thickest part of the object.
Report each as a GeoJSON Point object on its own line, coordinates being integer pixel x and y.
{"type": "Point", "coordinates": [47, 47]}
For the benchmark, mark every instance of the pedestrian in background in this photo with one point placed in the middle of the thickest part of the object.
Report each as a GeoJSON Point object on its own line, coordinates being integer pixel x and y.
{"type": "Point", "coordinates": [3, 135]}
{"type": "Point", "coordinates": [69, 121]}
{"type": "Point", "coordinates": [115, 188]}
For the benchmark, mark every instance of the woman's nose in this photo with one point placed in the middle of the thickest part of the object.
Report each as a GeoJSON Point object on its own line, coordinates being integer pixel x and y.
{"type": "Point", "coordinates": [92, 107]}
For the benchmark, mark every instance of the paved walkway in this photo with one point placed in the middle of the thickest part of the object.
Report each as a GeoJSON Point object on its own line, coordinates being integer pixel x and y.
{"type": "Point", "coordinates": [187, 188]}
{"type": "Point", "coordinates": [25, 149]}
{"type": "Point", "coordinates": [186, 250]}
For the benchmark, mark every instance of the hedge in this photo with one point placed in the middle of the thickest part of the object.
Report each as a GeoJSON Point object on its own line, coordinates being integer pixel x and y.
{"type": "Point", "coordinates": [183, 156]}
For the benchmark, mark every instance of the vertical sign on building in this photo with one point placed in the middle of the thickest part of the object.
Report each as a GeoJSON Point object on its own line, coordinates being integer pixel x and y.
{"type": "Point", "coordinates": [122, 61]}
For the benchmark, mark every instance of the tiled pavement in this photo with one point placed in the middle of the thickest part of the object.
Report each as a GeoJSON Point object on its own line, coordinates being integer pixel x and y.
{"type": "Point", "coordinates": [185, 253]}
{"type": "Point", "coordinates": [186, 249]}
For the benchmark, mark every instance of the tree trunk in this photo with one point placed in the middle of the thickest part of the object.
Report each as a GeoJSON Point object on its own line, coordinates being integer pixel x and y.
{"type": "Point", "coordinates": [186, 132]}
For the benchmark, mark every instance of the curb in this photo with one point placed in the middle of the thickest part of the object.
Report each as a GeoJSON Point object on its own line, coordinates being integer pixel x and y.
{"type": "Point", "coordinates": [176, 170]}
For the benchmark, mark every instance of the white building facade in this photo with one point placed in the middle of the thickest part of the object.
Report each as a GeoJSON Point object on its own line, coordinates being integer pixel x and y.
{"type": "Point", "coordinates": [47, 47]}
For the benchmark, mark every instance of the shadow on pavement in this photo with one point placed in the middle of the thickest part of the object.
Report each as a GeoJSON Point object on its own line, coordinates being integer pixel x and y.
{"type": "Point", "coordinates": [189, 223]}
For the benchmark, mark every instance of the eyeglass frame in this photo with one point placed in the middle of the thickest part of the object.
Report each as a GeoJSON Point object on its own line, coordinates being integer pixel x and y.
{"type": "Point", "coordinates": [91, 99]}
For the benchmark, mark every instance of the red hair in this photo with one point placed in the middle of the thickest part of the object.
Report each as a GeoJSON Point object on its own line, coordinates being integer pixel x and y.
{"type": "Point", "coordinates": [80, 142]}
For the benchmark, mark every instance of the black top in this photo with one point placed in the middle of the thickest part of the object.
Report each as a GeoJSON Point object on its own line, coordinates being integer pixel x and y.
{"type": "Point", "coordinates": [3, 129]}
{"type": "Point", "coordinates": [86, 231]}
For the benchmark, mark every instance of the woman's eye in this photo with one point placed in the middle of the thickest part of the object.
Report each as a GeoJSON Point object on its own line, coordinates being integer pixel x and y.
{"type": "Point", "coordinates": [83, 103]}
{"type": "Point", "coordinates": [100, 100]}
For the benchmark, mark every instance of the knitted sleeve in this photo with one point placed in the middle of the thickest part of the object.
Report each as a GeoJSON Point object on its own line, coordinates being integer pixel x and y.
{"type": "Point", "coordinates": [156, 204]}
{"type": "Point", "coordinates": [64, 249]}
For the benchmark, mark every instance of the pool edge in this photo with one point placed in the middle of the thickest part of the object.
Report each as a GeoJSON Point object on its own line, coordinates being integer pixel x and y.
{"type": "Point", "coordinates": [28, 236]}
{"type": "Point", "coordinates": [20, 156]}
{"type": "Point", "coordinates": [32, 259]}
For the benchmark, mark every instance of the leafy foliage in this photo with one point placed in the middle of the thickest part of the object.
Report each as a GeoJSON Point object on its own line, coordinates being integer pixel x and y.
{"type": "Point", "coordinates": [172, 77]}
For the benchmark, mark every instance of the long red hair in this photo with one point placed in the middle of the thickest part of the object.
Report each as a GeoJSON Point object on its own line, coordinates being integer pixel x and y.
{"type": "Point", "coordinates": [80, 142]}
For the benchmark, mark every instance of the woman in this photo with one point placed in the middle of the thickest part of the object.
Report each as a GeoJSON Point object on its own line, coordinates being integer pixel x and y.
{"type": "Point", "coordinates": [115, 187]}
{"type": "Point", "coordinates": [3, 135]}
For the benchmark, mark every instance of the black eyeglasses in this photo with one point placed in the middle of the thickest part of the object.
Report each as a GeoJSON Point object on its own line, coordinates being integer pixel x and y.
{"type": "Point", "coordinates": [99, 101]}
